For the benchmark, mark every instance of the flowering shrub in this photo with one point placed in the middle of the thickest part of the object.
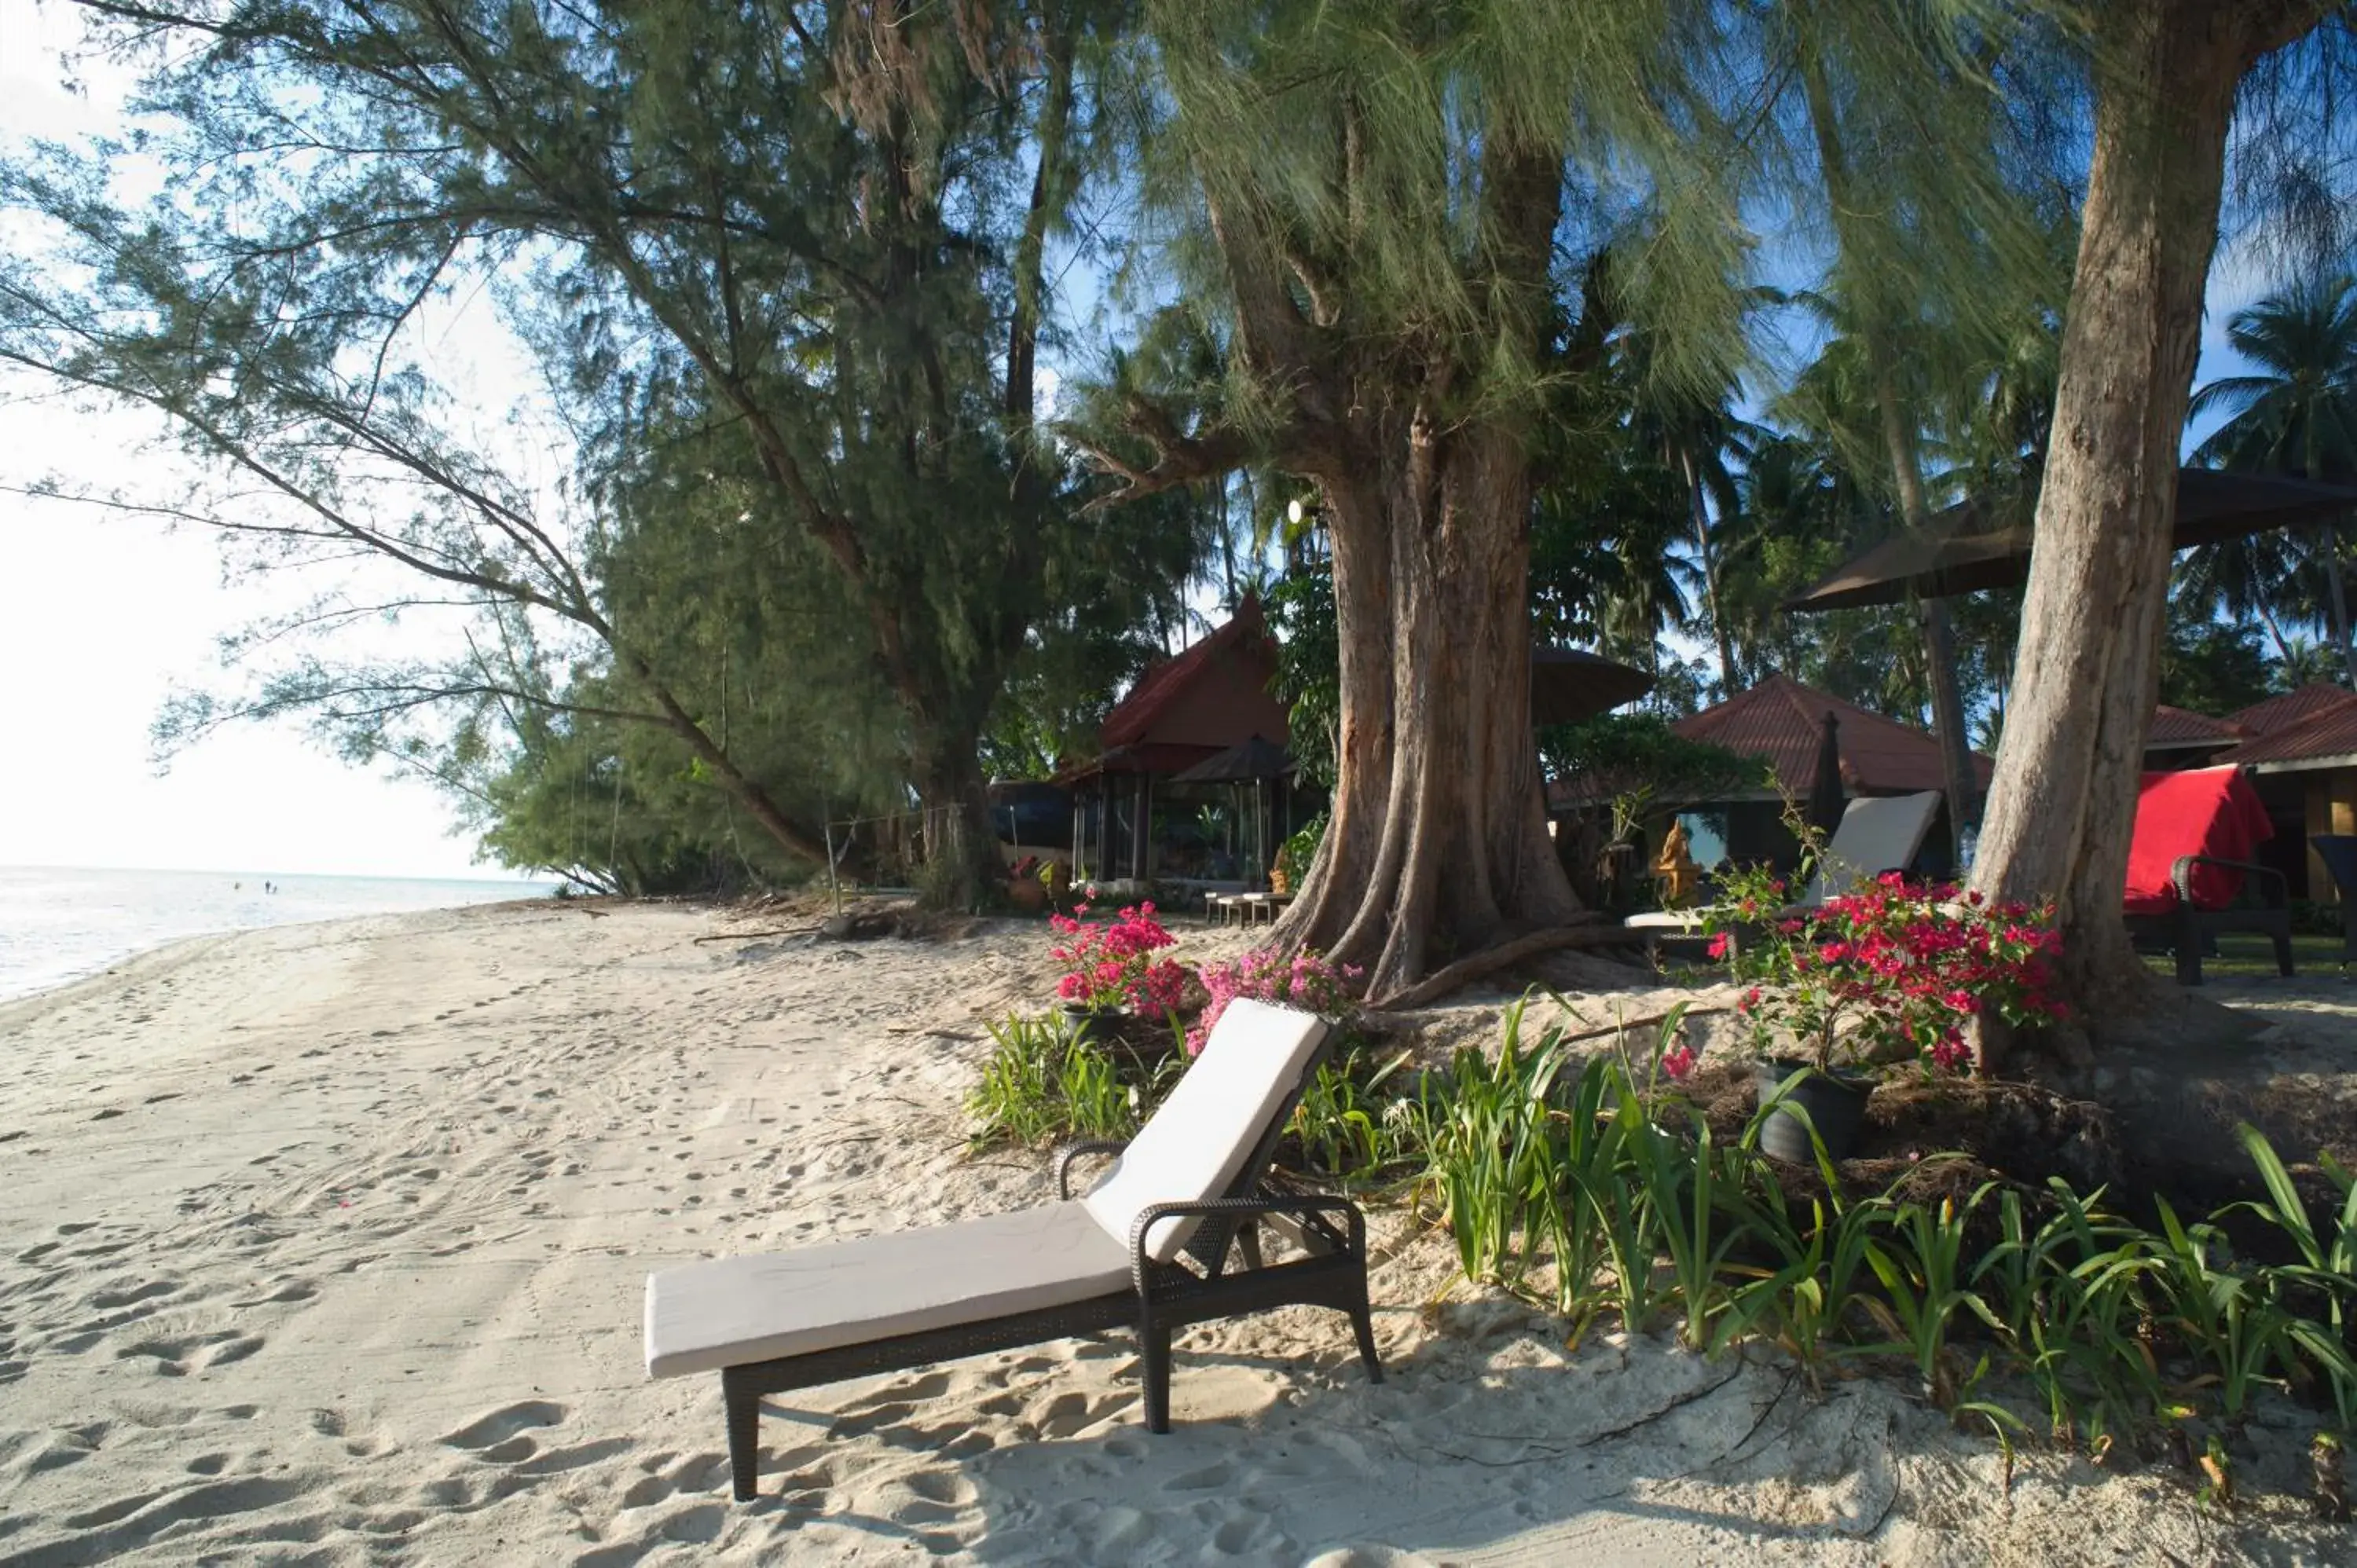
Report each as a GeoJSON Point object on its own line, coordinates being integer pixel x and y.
{"type": "Point", "coordinates": [1892, 972]}
{"type": "Point", "coordinates": [1305, 981]}
{"type": "Point", "coordinates": [1106, 966]}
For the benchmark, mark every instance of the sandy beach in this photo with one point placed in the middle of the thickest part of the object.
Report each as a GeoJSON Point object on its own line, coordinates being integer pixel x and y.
{"type": "Point", "coordinates": [325, 1244]}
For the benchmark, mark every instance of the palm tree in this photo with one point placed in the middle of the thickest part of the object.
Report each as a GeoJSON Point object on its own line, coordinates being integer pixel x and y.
{"type": "Point", "coordinates": [2297, 415]}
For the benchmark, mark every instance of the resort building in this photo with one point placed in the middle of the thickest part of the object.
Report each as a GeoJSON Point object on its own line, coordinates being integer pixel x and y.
{"type": "Point", "coordinates": [1133, 817]}
{"type": "Point", "coordinates": [1781, 723]}
{"type": "Point", "coordinates": [2302, 755]}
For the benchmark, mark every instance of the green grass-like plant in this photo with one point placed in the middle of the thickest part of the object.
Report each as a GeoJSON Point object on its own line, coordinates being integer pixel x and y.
{"type": "Point", "coordinates": [1536, 1158]}
{"type": "Point", "coordinates": [1046, 1081]}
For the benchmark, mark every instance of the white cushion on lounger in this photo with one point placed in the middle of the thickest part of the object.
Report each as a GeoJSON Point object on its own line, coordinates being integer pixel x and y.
{"type": "Point", "coordinates": [735, 1310]}
{"type": "Point", "coordinates": [1197, 1142]}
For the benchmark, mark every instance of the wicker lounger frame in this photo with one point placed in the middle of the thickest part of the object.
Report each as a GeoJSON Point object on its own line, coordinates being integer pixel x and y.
{"type": "Point", "coordinates": [2185, 929]}
{"type": "Point", "coordinates": [1162, 1297]}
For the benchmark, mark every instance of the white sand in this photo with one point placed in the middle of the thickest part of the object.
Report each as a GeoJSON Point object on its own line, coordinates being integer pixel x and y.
{"type": "Point", "coordinates": [325, 1244]}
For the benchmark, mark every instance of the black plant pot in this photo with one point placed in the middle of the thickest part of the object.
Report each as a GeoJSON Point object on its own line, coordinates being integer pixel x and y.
{"type": "Point", "coordinates": [1093, 1025]}
{"type": "Point", "coordinates": [1835, 1101]}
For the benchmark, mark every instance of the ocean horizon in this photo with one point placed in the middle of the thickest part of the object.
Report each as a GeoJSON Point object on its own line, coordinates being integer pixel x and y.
{"type": "Point", "coordinates": [60, 924]}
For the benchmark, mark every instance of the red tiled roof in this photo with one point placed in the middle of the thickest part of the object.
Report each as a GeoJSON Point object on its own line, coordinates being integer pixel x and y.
{"type": "Point", "coordinates": [2291, 709]}
{"type": "Point", "coordinates": [1133, 715]}
{"type": "Point", "coordinates": [2329, 732]}
{"type": "Point", "coordinates": [2184, 727]}
{"type": "Point", "coordinates": [1781, 720]}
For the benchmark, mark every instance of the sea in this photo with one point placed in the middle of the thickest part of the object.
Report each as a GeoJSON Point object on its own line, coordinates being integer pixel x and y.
{"type": "Point", "coordinates": [58, 924]}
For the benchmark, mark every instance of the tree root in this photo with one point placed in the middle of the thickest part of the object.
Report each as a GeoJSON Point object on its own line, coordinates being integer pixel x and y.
{"type": "Point", "coordinates": [1596, 932]}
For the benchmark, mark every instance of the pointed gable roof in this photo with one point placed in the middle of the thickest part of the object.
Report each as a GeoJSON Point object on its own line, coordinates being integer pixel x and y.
{"type": "Point", "coordinates": [1132, 720]}
{"type": "Point", "coordinates": [1781, 720]}
{"type": "Point", "coordinates": [2315, 726]}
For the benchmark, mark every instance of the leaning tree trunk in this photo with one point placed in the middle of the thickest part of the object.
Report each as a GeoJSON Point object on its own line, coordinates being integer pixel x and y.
{"type": "Point", "coordinates": [1437, 843]}
{"type": "Point", "coordinates": [2062, 805]}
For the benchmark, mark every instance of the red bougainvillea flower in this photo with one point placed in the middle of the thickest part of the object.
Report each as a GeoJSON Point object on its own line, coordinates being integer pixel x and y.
{"type": "Point", "coordinates": [1892, 971]}
{"type": "Point", "coordinates": [1108, 966]}
{"type": "Point", "coordinates": [1678, 1061]}
{"type": "Point", "coordinates": [1719, 945]}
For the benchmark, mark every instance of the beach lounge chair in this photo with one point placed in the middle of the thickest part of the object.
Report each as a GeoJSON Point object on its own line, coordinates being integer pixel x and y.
{"type": "Point", "coordinates": [2190, 864]}
{"type": "Point", "coordinates": [1878, 834]}
{"type": "Point", "coordinates": [1146, 1247]}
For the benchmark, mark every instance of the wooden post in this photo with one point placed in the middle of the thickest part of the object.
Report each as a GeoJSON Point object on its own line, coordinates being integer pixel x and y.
{"type": "Point", "coordinates": [833, 887]}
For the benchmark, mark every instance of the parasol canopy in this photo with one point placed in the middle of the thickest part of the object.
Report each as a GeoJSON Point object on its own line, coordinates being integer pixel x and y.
{"type": "Point", "coordinates": [1568, 685]}
{"type": "Point", "coordinates": [1960, 554]}
{"type": "Point", "coordinates": [1250, 757]}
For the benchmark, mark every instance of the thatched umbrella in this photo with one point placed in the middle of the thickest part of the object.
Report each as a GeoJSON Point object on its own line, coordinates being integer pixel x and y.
{"type": "Point", "coordinates": [1961, 552]}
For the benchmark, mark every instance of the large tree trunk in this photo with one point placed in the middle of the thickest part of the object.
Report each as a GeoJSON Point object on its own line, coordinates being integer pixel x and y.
{"type": "Point", "coordinates": [1437, 845]}
{"type": "Point", "coordinates": [2062, 804]}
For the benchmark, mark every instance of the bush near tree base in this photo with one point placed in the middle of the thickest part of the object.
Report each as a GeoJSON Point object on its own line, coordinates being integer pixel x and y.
{"type": "Point", "coordinates": [1590, 1186]}
{"type": "Point", "coordinates": [1892, 973]}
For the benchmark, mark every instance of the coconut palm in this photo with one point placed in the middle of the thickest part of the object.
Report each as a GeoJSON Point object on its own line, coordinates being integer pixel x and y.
{"type": "Point", "coordinates": [2296, 414]}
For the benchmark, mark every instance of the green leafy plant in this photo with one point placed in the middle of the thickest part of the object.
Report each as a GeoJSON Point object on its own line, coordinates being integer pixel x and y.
{"type": "Point", "coordinates": [1294, 855]}
{"type": "Point", "coordinates": [2221, 1309]}
{"type": "Point", "coordinates": [1919, 1262]}
{"type": "Point", "coordinates": [1046, 1079]}
{"type": "Point", "coordinates": [2326, 1270]}
{"type": "Point", "coordinates": [1491, 1161]}
{"type": "Point", "coordinates": [1344, 1121]}
{"type": "Point", "coordinates": [1802, 1305]}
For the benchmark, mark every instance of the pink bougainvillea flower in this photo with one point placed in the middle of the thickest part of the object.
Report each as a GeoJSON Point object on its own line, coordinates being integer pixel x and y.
{"type": "Point", "coordinates": [1719, 944]}
{"type": "Point", "coordinates": [1678, 1061]}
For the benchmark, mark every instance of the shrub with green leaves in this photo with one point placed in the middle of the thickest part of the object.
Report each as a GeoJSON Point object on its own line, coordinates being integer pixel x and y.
{"type": "Point", "coordinates": [1594, 1172]}
{"type": "Point", "coordinates": [1044, 1080]}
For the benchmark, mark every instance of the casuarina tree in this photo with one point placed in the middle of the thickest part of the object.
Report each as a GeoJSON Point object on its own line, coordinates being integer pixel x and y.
{"type": "Point", "coordinates": [1376, 198]}
{"type": "Point", "coordinates": [818, 232]}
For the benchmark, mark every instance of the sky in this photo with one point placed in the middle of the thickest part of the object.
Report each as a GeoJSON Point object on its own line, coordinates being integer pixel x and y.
{"type": "Point", "coordinates": [101, 617]}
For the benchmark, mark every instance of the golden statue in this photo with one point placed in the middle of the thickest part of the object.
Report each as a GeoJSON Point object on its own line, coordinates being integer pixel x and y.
{"type": "Point", "coordinates": [1674, 871]}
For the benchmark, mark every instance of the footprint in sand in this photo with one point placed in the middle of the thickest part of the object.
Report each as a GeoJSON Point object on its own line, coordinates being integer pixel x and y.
{"type": "Point", "coordinates": [178, 1358]}
{"type": "Point", "coordinates": [499, 1436]}
{"type": "Point", "coordinates": [290, 1291]}
{"type": "Point", "coordinates": [129, 1522]}
{"type": "Point", "coordinates": [127, 1296]}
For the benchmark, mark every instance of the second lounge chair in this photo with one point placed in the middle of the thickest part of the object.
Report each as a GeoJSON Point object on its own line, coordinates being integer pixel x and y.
{"type": "Point", "coordinates": [1878, 834]}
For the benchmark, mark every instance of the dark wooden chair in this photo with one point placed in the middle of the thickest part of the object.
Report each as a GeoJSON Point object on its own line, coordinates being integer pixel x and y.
{"type": "Point", "coordinates": [2183, 909]}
